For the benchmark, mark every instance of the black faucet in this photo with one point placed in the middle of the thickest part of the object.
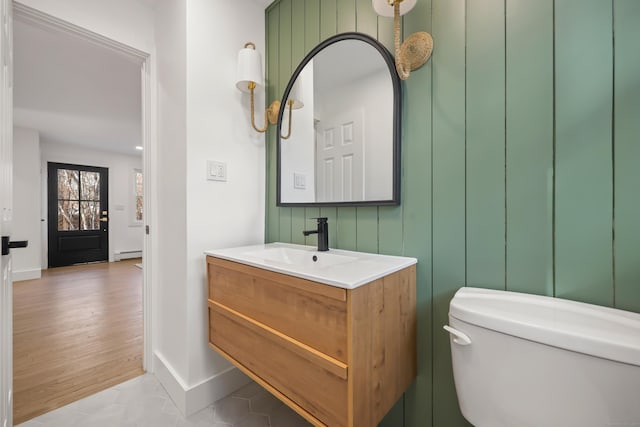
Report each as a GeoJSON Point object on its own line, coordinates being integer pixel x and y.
{"type": "Point", "coordinates": [323, 234]}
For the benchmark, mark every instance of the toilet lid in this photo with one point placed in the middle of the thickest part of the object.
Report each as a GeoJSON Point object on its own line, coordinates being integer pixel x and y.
{"type": "Point", "coordinates": [598, 331]}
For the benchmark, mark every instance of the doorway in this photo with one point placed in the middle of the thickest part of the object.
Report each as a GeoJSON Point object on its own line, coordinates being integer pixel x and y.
{"type": "Point", "coordinates": [142, 60]}
{"type": "Point", "coordinates": [78, 222]}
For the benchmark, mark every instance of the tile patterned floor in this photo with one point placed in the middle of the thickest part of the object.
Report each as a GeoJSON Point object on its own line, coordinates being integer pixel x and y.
{"type": "Point", "coordinates": [143, 402]}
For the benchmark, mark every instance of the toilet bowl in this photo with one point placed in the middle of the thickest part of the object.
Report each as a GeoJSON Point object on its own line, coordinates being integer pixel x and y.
{"type": "Point", "coordinates": [525, 360]}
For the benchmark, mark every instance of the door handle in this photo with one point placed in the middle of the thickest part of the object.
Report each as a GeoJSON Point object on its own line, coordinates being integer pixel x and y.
{"type": "Point", "coordinates": [7, 245]}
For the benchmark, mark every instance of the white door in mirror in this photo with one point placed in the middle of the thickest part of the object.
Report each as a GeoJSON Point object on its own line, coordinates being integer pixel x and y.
{"type": "Point", "coordinates": [339, 157]}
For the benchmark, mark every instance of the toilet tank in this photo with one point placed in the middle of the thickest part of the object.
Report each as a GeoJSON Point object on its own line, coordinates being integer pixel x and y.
{"type": "Point", "coordinates": [526, 360]}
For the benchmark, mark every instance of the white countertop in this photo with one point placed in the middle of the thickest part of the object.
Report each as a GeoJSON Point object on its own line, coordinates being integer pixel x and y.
{"type": "Point", "coordinates": [336, 267]}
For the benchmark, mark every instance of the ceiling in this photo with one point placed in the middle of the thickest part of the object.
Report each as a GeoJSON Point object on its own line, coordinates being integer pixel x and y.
{"type": "Point", "coordinates": [75, 91]}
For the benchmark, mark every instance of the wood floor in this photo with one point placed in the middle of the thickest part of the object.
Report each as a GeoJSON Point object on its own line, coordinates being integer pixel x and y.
{"type": "Point", "coordinates": [76, 331]}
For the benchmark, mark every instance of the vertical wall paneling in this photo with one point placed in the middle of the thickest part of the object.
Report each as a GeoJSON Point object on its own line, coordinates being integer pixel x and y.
{"type": "Point", "coordinates": [390, 230]}
{"type": "Point", "coordinates": [448, 193]}
{"type": "Point", "coordinates": [346, 16]}
{"type": "Point", "coordinates": [481, 182]}
{"type": "Point", "coordinates": [367, 229]}
{"type": "Point", "coordinates": [627, 153]}
{"type": "Point", "coordinates": [284, 63]}
{"type": "Point", "coordinates": [311, 24]}
{"type": "Point", "coordinates": [529, 135]}
{"type": "Point", "coordinates": [385, 32]}
{"type": "Point", "coordinates": [390, 225]}
{"type": "Point", "coordinates": [366, 18]}
{"type": "Point", "coordinates": [297, 223]}
{"type": "Point", "coordinates": [272, 228]}
{"type": "Point", "coordinates": [298, 48]}
{"type": "Point", "coordinates": [328, 18]}
{"type": "Point", "coordinates": [486, 144]}
{"type": "Point", "coordinates": [584, 175]}
{"type": "Point", "coordinates": [417, 164]}
{"type": "Point", "coordinates": [346, 228]}
{"type": "Point", "coordinates": [297, 53]}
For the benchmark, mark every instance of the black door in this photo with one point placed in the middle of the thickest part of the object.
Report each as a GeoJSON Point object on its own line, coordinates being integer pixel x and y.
{"type": "Point", "coordinates": [78, 217]}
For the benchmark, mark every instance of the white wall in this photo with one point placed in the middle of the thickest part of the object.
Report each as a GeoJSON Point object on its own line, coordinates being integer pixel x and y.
{"type": "Point", "coordinates": [201, 115]}
{"type": "Point", "coordinates": [170, 283]}
{"type": "Point", "coordinates": [124, 234]}
{"type": "Point", "coordinates": [26, 203]}
{"type": "Point", "coordinates": [219, 214]}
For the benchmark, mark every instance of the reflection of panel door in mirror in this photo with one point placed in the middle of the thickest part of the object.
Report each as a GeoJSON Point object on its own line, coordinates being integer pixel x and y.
{"type": "Point", "coordinates": [340, 157]}
{"type": "Point", "coordinates": [78, 221]}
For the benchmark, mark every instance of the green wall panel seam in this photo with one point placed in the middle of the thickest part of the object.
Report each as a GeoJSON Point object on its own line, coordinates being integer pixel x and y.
{"type": "Point", "coordinates": [613, 153]}
{"type": "Point", "coordinates": [554, 160]}
{"type": "Point", "coordinates": [506, 114]}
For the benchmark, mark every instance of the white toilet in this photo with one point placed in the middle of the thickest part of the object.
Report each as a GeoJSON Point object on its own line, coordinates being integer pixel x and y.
{"type": "Point", "coordinates": [526, 360]}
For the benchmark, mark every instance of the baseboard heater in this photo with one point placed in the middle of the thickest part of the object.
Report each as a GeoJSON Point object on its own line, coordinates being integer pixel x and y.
{"type": "Point", "coordinates": [120, 255]}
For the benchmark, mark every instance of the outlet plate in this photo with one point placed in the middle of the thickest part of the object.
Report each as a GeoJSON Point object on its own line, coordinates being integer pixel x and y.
{"type": "Point", "coordinates": [216, 171]}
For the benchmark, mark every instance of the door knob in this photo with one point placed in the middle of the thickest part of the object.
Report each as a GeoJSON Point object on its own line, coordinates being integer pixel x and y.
{"type": "Point", "coordinates": [105, 219]}
{"type": "Point", "coordinates": [7, 245]}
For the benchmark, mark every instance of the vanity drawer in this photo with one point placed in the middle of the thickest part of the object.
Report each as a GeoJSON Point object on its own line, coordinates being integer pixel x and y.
{"type": "Point", "coordinates": [310, 312]}
{"type": "Point", "coordinates": [315, 382]}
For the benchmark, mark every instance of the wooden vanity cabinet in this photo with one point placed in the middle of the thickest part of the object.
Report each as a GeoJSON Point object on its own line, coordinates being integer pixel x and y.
{"type": "Point", "coordinates": [338, 357]}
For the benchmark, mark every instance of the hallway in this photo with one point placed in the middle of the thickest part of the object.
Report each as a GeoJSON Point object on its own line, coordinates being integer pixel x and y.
{"type": "Point", "coordinates": [77, 330]}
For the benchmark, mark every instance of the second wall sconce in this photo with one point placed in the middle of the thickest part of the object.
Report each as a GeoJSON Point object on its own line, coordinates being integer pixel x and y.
{"type": "Point", "coordinates": [417, 48]}
{"type": "Point", "coordinates": [249, 79]}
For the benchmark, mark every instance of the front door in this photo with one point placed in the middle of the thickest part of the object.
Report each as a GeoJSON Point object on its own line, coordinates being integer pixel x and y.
{"type": "Point", "coordinates": [78, 222]}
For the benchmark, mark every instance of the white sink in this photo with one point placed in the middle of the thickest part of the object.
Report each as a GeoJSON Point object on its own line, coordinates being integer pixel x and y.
{"type": "Point", "coordinates": [302, 257]}
{"type": "Point", "coordinates": [344, 269]}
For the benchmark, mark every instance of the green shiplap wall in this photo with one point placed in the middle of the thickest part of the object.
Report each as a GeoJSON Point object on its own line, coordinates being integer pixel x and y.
{"type": "Point", "coordinates": [520, 155]}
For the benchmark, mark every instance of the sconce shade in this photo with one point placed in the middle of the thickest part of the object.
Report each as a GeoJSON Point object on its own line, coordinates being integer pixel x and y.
{"type": "Point", "coordinates": [383, 8]}
{"type": "Point", "coordinates": [296, 95]}
{"type": "Point", "coordinates": [249, 69]}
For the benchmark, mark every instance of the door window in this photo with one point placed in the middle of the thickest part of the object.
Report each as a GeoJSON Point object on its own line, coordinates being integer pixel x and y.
{"type": "Point", "coordinates": [78, 200]}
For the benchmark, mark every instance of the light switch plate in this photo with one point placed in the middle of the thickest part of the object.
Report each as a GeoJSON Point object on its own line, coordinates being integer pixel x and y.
{"type": "Point", "coordinates": [299, 181]}
{"type": "Point", "coordinates": [216, 171]}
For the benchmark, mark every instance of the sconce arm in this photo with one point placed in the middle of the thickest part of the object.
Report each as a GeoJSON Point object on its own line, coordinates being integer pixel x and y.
{"type": "Point", "coordinates": [253, 119]}
{"type": "Point", "coordinates": [403, 73]}
{"type": "Point", "coordinates": [290, 105]}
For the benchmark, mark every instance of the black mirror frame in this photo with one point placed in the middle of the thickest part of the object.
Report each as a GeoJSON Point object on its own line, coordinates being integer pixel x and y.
{"type": "Point", "coordinates": [397, 114]}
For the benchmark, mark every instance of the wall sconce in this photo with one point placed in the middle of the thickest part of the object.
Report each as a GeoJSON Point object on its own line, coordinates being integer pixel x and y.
{"type": "Point", "coordinates": [249, 79]}
{"type": "Point", "coordinates": [417, 48]}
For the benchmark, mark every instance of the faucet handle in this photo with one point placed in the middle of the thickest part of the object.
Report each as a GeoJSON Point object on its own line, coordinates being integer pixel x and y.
{"type": "Point", "coordinates": [320, 219]}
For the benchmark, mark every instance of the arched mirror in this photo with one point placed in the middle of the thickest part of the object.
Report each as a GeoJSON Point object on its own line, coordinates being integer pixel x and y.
{"type": "Point", "coordinates": [339, 130]}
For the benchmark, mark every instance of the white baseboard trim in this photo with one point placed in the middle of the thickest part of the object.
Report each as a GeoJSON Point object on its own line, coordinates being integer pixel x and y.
{"type": "Point", "coordinates": [35, 273]}
{"type": "Point", "coordinates": [190, 400]}
{"type": "Point", "coordinates": [120, 255]}
{"type": "Point", "coordinates": [172, 383]}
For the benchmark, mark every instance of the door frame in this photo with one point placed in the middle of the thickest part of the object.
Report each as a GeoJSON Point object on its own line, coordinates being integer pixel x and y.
{"type": "Point", "coordinates": [6, 214]}
{"type": "Point", "coordinates": [147, 74]}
